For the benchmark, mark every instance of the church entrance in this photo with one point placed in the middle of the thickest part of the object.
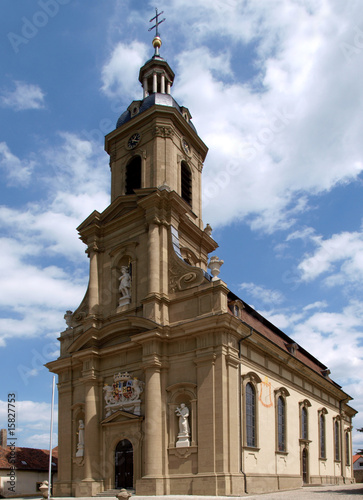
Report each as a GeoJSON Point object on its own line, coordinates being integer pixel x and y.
{"type": "Point", "coordinates": [304, 466]}
{"type": "Point", "coordinates": [124, 465]}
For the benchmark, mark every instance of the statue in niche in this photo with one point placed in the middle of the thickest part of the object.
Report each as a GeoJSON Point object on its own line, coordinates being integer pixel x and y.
{"type": "Point", "coordinates": [125, 286]}
{"type": "Point", "coordinates": [184, 430]}
{"type": "Point", "coordinates": [80, 444]}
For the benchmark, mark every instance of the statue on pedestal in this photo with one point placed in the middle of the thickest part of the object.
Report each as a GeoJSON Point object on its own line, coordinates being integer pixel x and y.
{"type": "Point", "coordinates": [80, 444]}
{"type": "Point", "coordinates": [125, 286]}
{"type": "Point", "coordinates": [184, 430]}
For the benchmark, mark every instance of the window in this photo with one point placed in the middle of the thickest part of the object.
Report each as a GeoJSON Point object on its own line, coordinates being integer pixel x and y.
{"type": "Point", "coordinates": [250, 415]}
{"type": "Point", "coordinates": [281, 420]}
{"type": "Point", "coordinates": [304, 423]}
{"type": "Point", "coordinates": [304, 419]}
{"type": "Point", "coordinates": [249, 402]}
{"type": "Point", "coordinates": [186, 182]}
{"type": "Point", "coordinates": [281, 425]}
{"type": "Point", "coordinates": [133, 175]}
{"type": "Point", "coordinates": [337, 439]}
{"type": "Point", "coordinates": [322, 447]}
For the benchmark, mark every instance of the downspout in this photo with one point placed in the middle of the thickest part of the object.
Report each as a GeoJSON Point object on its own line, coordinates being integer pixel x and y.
{"type": "Point", "coordinates": [342, 456]}
{"type": "Point", "coordinates": [343, 451]}
{"type": "Point", "coordinates": [240, 403]}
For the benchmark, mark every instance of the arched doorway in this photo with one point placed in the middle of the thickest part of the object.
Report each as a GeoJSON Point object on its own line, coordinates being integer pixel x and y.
{"type": "Point", "coordinates": [124, 465]}
{"type": "Point", "coordinates": [304, 459]}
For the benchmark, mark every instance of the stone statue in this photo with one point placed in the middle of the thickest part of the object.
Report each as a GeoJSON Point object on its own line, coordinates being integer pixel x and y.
{"type": "Point", "coordinates": [125, 282]}
{"type": "Point", "coordinates": [80, 445]}
{"type": "Point", "coordinates": [184, 431]}
{"type": "Point", "coordinates": [108, 390]}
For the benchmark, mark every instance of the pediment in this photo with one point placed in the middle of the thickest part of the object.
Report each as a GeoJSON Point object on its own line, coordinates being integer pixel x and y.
{"type": "Point", "coordinates": [119, 208]}
{"type": "Point", "coordinates": [121, 416]}
{"type": "Point", "coordinates": [116, 332]}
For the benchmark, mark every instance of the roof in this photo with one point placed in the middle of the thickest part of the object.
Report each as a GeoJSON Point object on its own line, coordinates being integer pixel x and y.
{"type": "Point", "coordinates": [356, 457]}
{"type": "Point", "coordinates": [148, 102]}
{"type": "Point", "coordinates": [27, 458]}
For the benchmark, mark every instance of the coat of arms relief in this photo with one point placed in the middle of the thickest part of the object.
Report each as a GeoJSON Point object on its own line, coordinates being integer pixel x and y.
{"type": "Point", "coordinates": [123, 394]}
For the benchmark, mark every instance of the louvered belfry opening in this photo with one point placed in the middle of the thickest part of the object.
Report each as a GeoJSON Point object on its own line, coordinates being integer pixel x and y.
{"type": "Point", "coordinates": [133, 175]}
{"type": "Point", "coordinates": [186, 183]}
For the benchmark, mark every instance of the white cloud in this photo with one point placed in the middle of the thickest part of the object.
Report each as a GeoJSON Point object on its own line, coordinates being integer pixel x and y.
{"type": "Point", "coordinates": [296, 123]}
{"type": "Point", "coordinates": [43, 269]}
{"type": "Point", "coordinates": [120, 73]}
{"type": "Point", "coordinates": [319, 304]}
{"type": "Point", "coordinates": [341, 256]}
{"type": "Point", "coordinates": [24, 96]}
{"type": "Point", "coordinates": [32, 416]}
{"type": "Point", "coordinates": [18, 172]}
{"type": "Point", "coordinates": [262, 294]}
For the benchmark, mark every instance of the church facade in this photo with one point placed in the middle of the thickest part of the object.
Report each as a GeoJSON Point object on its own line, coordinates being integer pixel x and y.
{"type": "Point", "coordinates": [168, 382]}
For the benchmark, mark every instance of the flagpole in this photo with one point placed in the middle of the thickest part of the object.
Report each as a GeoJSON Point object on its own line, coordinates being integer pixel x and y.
{"type": "Point", "coordinates": [51, 439]}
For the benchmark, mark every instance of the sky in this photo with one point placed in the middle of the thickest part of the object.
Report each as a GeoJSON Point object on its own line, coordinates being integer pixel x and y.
{"type": "Point", "coordinates": [275, 92]}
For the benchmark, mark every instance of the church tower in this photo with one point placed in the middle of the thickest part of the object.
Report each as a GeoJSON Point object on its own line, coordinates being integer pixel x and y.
{"type": "Point", "coordinates": [166, 379]}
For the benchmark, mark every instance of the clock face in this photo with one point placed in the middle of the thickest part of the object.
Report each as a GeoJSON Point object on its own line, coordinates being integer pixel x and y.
{"type": "Point", "coordinates": [186, 146]}
{"type": "Point", "coordinates": [133, 141]}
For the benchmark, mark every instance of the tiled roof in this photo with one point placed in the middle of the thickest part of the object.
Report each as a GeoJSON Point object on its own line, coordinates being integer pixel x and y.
{"type": "Point", "coordinates": [28, 458]}
{"type": "Point", "coordinates": [356, 457]}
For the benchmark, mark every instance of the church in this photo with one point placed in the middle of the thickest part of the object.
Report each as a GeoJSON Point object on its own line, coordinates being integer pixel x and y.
{"type": "Point", "coordinates": [168, 382]}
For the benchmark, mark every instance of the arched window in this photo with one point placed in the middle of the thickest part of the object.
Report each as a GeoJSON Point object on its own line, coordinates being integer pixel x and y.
{"type": "Point", "coordinates": [133, 175]}
{"type": "Point", "coordinates": [337, 440]}
{"type": "Point", "coordinates": [322, 435]}
{"type": "Point", "coordinates": [250, 415]}
{"type": "Point", "coordinates": [280, 419]}
{"type": "Point", "coordinates": [304, 419]}
{"type": "Point", "coordinates": [186, 182]}
{"type": "Point", "coordinates": [281, 424]}
{"type": "Point", "coordinates": [304, 423]}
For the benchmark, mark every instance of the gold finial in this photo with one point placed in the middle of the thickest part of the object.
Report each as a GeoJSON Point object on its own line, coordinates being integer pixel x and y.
{"type": "Point", "coordinates": [157, 42]}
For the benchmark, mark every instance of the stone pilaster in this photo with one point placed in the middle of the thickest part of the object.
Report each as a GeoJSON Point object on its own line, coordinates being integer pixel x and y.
{"type": "Point", "coordinates": [153, 420]}
{"type": "Point", "coordinates": [93, 288]}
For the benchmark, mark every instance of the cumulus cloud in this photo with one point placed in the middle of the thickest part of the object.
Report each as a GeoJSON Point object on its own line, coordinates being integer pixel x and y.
{"type": "Point", "coordinates": [326, 335]}
{"type": "Point", "coordinates": [340, 257]}
{"type": "Point", "coordinates": [120, 72]}
{"type": "Point", "coordinates": [24, 96]}
{"type": "Point", "coordinates": [44, 270]}
{"type": "Point", "coordinates": [18, 172]}
{"type": "Point", "coordinates": [262, 294]}
{"type": "Point", "coordinates": [31, 417]}
{"type": "Point", "coordinates": [295, 122]}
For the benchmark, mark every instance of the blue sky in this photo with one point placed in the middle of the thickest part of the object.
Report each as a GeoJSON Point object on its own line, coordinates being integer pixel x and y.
{"type": "Point", "coordinates": [275, 92]}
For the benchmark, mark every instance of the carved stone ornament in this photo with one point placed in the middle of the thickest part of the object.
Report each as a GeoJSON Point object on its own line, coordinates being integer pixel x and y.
{"type": "Point", "coordinates": [123, 394]}
{"type": "Point", "coordinates": [163, 131]}
{"type": "Point", "coordinates": [182, 275]}
{"type": "Point", "coordinates": [215, 265]}
{"type": "Point", "coordinates": [68, 318]}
